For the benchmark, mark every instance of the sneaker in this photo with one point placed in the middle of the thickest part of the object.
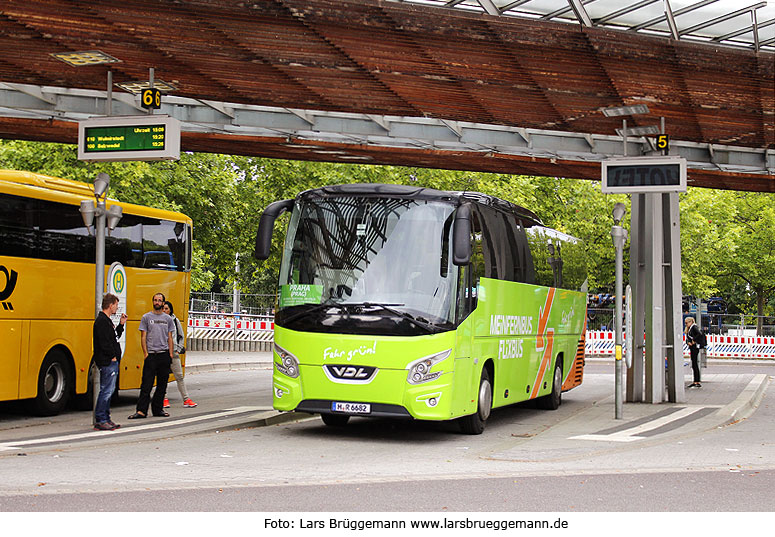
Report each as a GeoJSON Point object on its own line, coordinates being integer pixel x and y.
{"type": "Point", "coordinates": [189, 403]}
{"type": "Point", "coordinates": [166, 403]}
{"type": "Point", "coordinates": [103, 426]}
{"type": "Point", "coordinates": [114, 425]}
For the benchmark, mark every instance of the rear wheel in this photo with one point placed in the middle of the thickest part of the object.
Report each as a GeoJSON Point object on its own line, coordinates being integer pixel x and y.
{"type": "Point", "coordinates": [54, 385]}
{"type": "Point", "coordinates": [475, 423]}
{"type": "Point", "coordinates": [335, 420]}
{"type": "Point", "coordinates": [554, 399]}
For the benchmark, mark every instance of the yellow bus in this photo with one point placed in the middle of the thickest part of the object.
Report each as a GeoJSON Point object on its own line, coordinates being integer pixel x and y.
{"type": "Point", "coordinates": [47, 258]}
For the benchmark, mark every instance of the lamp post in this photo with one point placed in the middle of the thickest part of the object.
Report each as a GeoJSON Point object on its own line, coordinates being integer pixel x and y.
{"type": "Point", "coordinates": [619, 236]}
{"type": "Point", "coordinates": [109, 217]}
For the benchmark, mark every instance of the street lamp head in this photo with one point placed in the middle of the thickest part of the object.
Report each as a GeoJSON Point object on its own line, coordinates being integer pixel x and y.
{"type": "Point", "coordinates": [618, 212]}
{"type": "Point", "coordinates": [114, 214]}
{"type": "Point", "coordinates": [87, 213]}
{"type": "Point", "coordinates": [101, 184]}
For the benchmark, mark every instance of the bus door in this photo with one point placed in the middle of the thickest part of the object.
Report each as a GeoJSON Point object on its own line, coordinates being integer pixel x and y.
{"type": "Point", "coordinates": [10, 360]}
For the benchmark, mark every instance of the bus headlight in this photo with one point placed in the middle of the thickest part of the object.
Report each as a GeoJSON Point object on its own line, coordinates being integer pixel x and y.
{"type": "Point", "coordinates": [288, 364]}
{"type": "Point", "coordinates": [420, 370]}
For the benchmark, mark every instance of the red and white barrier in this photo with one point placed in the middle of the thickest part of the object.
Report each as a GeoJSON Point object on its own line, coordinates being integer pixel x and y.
{"type": "Point", "coordinates": [601, 343]}
{"type": "Point", "coordinates": [228, 324]}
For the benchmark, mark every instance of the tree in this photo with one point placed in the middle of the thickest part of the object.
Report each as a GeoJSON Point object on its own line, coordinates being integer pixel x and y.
{"type": "Point", "coordinates": [199, 185]}
{"type": "Point", "coordinates": [728, 246]}
{"type": "Point", "coordinates": [225, 196]}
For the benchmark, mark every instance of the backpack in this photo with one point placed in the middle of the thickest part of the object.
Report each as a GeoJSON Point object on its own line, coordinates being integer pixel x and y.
{"type": "Point", "coordinates": [701, 339]}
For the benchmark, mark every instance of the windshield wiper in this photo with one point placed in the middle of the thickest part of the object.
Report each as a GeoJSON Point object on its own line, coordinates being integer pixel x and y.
{"type": "Point", "coordinates": [313, 309]}
{"type": "Point", "coordinates": [404, 315]}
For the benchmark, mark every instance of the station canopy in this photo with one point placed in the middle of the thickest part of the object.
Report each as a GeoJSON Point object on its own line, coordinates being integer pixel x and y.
{"type": "Point", "coordinates": [506, 86]}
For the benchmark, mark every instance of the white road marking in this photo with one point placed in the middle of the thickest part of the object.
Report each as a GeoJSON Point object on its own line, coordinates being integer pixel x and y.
{"type": "Point", "coordinates": [15, 445]}
{"type": "Point", "coordinates": [631, 434]}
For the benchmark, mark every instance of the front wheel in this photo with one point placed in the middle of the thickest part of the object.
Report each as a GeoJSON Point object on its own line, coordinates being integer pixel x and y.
{"type": "Point", "coordinates": [554, 399]}
{"type": "Point", "coordinates": [475, 423]}
{"type": "Point", "coordinates": [54, 385]}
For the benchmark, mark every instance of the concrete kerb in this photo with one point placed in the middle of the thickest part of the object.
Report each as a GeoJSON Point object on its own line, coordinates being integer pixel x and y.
{"type": "Point", "coordinates": [746, 403]}
{"type": "Point", "coordinates": [236, 366]}
{"type": "Point", "coordinates": [259, 419]}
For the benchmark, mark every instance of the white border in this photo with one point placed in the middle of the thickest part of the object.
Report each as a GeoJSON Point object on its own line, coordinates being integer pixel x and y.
{"type": "Point", "coordinates": [641, 161]}
{"type": "Point", "coordinates": [171, 149]}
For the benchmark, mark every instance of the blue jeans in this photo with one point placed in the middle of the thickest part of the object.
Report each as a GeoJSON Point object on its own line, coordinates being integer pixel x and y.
{"type": "Point", "coordinates": [108, 376]}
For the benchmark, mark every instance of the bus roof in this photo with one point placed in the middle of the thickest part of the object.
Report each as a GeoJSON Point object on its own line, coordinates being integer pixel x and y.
{"type": "Point", "coordinates": [418, 193]}
{"type": "Point", "coordinates": [76, 190]}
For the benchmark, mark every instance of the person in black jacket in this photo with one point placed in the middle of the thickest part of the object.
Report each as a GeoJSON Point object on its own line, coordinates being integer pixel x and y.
{"type": "Point", "coordinates": [693, 335]}
{"type": "Point", "coordinates": [107, 355]}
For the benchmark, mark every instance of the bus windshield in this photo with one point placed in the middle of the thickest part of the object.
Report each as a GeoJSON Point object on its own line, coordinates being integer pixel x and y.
{"type": "Point", "coordinates": [369, 257]}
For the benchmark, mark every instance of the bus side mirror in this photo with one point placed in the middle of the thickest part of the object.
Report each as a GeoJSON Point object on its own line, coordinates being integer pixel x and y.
{"type": "Point", "coordinates": [266, 226]}
{"type": "Point", "coordinates": [461, 236]}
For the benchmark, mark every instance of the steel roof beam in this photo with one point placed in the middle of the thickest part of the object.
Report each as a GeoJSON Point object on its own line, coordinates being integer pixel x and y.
{"type": "Point", "coordinates": [362, 130]}
{"type": "Point", "coordinates": [722, 18]}
{"type": "Point", "coordinates": [489, 7]}
{"type": "Point", "coordinates": [682, 11]}
{"type": "Point", "coordinates": [609, 20]}
{"type": "Point", "coordinates": [742, 31]}
{"type": "Point", "coordinates": [577, 7]}
{"type": "Point", "coordinates": [513, 5]}
{"type": "Point", "coordinates": [671, 21]}
{"type": "Point", "coordinates": [624, 11]}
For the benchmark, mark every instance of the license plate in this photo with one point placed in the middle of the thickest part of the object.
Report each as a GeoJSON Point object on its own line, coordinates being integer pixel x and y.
{"type": "Point", "coordinates": [351, 408]}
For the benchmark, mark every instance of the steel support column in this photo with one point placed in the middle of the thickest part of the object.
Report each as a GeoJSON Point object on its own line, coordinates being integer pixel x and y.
{"type": "Point", "coordinates": [655, 276]}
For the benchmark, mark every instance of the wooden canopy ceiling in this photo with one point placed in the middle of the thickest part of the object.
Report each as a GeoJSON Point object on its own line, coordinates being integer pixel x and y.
{"type": "Point", "coordinates": [389, 58]}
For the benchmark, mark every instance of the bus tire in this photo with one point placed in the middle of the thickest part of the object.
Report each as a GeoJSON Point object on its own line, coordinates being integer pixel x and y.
{"type": "Point", "coordinates": [475, 423]}
{"type": "Point", "coordinates": [335, 420]}
{"type": "Point", "coordinates": [554, 399]}
{"type": "Point", "coordinates": [54, 385]}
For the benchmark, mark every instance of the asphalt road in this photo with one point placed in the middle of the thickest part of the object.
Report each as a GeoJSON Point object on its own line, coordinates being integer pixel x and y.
{"type": "Point", "coordinates": [527, 460]}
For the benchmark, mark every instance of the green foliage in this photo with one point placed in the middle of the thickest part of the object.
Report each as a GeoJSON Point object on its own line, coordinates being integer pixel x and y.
{"type": "Point", "coordinates": [728, 246]}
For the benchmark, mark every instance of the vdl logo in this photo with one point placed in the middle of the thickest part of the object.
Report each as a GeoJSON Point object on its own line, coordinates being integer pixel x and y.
{"type": "Point", "coordinates": [7, 290]}
{"type": "Point", "coordinates": [350, 374]}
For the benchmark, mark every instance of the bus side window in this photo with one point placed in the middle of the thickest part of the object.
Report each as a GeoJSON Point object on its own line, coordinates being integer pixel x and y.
{"type": "Point", "coordinates": [523, 253]}
{"type": "Point", "coordinates": [125, 242]}
{"type": "Point", "coordinates": [17, 236]}
{"type": "Point", "coordinates": [466, 297]}
{"type": "Point", "coordinates": [479, 257]}
{"type": "Point", "coordinates": [539, 250]}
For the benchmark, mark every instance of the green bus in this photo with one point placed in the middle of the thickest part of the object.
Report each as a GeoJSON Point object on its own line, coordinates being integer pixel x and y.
{"type": "Point", "coordinates": [407, 302]}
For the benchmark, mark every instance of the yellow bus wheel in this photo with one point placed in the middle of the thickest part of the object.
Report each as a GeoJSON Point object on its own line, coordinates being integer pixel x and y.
{"type": "Point", "coordinates": [54, 384]}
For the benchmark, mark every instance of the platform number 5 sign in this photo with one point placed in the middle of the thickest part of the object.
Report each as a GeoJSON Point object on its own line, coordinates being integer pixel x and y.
{"type": "Point", "coordinates": [663, 142]}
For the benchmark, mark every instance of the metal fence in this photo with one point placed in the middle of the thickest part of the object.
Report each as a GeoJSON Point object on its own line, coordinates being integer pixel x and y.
{"type": "Point", "coordinates": [229, 332]}
{"type": "Point", "coordinates": [249, 304]}
{"type": "Point", "coordinates": [714, 323]}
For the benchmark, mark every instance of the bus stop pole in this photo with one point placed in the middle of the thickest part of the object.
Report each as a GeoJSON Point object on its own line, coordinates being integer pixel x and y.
{"type": "Point", "coordinates": [619, 235]}
{"type": "Point", "coordinates": [99, 278]}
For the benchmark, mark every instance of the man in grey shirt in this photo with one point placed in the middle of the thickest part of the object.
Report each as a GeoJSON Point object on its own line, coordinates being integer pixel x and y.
{"type": "Point", "coordinates": [156, 329]}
